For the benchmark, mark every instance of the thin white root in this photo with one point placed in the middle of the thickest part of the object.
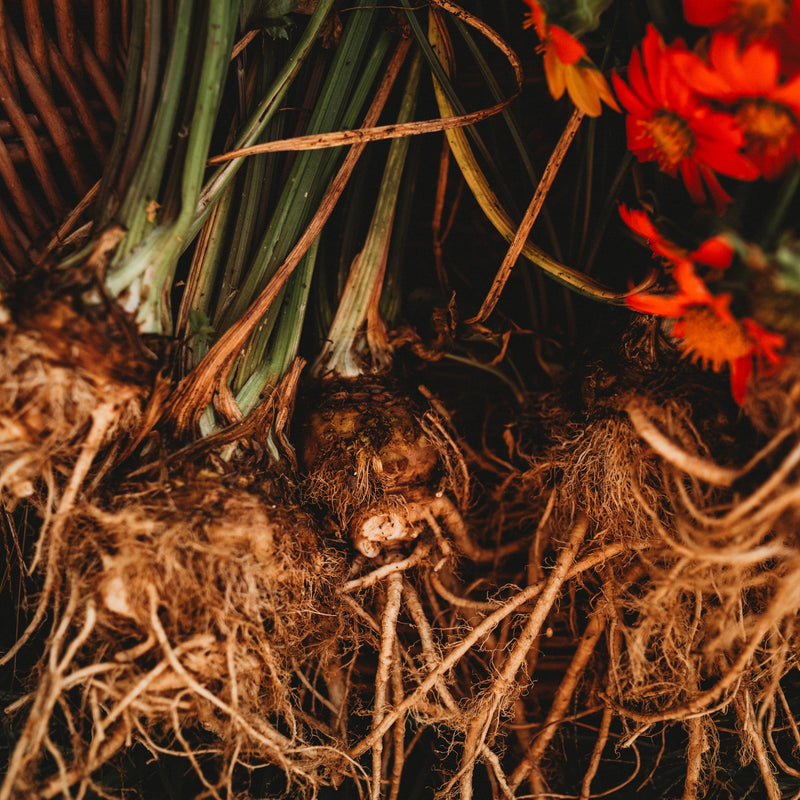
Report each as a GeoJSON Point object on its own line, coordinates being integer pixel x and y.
{"type": "Point", "coordinates": [50, 689]}
{"type": "Point", "coordinates": [597, 753]}
{"type": "Point", "coordinates": [498, 692]}
{"type": "Point", "coordinates": [394, 594]}
{"type": "Point", "coordinates": [697, 747]}
{"type": "Point", "coordinates": [463, 647]}
{"type": "Point", "coordinates": [748, 725]}
{"type": "Point", "coordinates": [558, 710]}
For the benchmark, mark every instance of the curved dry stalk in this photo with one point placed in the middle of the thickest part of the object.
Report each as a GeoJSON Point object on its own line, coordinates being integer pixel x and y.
{"type": "Point", "coordinates": [531, 214]}
{"type": "Point", "coordinates": [396, 130]}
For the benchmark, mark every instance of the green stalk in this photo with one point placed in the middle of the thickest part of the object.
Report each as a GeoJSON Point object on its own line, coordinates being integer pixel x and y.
{"type": "Point", "coordinates": [261, 116]}
{"type": "Point", "coordinates": [350, 81]}
{"type": "Point", "coordinates": [194, 324]}
{"type": "Point", "coordinates": [340, 356]}
{"type": "Point", "coordinates": [253, 190]}
{"type": "Point", "coordinates": [144, 275]}
{"type": "Point", "coordinates": [312, 170]}
{"type": "Point", "coordinates": [283, 349]}
{"type": "Point", "coordinates": [147, 181]}
{"type": "Point", "coordinates": [777, 218]}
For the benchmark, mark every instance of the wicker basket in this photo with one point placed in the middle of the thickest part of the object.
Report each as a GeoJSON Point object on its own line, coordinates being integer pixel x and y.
{"type": "Point", "coordinates": [61, 67]}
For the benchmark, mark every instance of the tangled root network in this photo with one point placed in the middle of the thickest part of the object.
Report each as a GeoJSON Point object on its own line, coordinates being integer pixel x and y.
{"type": "Point", "coordinates": [184, 611]}
{"type": "Point", "coordinates": [637, 569]}
{"type": "Point", "coordinates": [60, 376]}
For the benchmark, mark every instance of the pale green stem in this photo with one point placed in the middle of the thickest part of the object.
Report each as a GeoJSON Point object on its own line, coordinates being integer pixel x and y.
{"type": "Point", "coordinates": [145, 274]}
{"type": "Point", "coordinates": [340, 355]}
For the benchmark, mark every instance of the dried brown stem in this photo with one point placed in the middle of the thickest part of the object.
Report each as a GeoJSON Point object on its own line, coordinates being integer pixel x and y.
{"type": "Point", "coordinates": [65, 28]}
{"type": "Point", "coordinates": [530, 216]}
{"type": "Point", "coordinates": [34, 30]}
{"type": "Point", "coordinates": [23, 203]}
{"type": "Point", "coordinates": [38, 160]}
{"type": "Point", "coordinates": [102, 32]}
{"type": "Point", "coordinates": [97, 76]}
{"type": "Point", "coordinates": [54, 122]}
{"type": "Point", "coordinates": [87, 120]}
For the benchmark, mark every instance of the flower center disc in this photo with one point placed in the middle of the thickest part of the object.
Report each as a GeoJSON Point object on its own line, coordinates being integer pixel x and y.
{"type": "Point", "coordinates": [711, 340]}
{"type": "Point", "coordinates": [760, 15]}
{"type": "Point", "coordinates": [672, 139]}
{"type": "Point", "coordinates": [766, 121]}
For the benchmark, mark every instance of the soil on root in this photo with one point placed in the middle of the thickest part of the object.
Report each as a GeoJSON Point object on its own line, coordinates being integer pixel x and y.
{"type": "Point", "coordinates": [69, 360]}
{"type": "Point", "coordinates": [186, 610]}
{"type": "Point", "coordinates": [636, 570]}
{"type": "Point", "coordinates": [696, 515]}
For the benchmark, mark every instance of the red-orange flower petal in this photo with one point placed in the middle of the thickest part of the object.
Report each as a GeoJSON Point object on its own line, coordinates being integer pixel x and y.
{"type": "Point", "coordinates": [639, 222]}
{"type": "Point", "coordinates": [750, 17]}
{"type": "Point", "coordinates": [741, 369]}
{"type": "Point", "coordinates": [707, 13]}
{"type": "Point", "coordinates": [715, 252]}
{"type": "Point", "coordinates": [567, 67]}
{"type": "Point", "coordinates": [568, 49]}
{"type": "Point", "coordinates": [766, 110]}
{"type": "Point", "coordinates": [669, 123]}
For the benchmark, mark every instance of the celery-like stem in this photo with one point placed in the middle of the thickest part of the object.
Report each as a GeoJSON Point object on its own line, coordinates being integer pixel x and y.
{"type": "Point", "coordinates": [142, 279]}
{"type": "Point", "coordinates": [345, 350]}
{"type": "Point", "coordinates": [262, 115]}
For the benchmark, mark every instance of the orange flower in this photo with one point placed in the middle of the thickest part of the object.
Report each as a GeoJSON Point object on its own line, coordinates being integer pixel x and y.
{"type": "Point", "coordinates": [716, 252]}
{"type": "Point", "coordinates": [668, 123]}
{"type": "Point", "coordinates": [566, 65]}
{"type": "Point", "coordinates": [766, 109]}
{"type": "Point", "coordinates": [708, 332]}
